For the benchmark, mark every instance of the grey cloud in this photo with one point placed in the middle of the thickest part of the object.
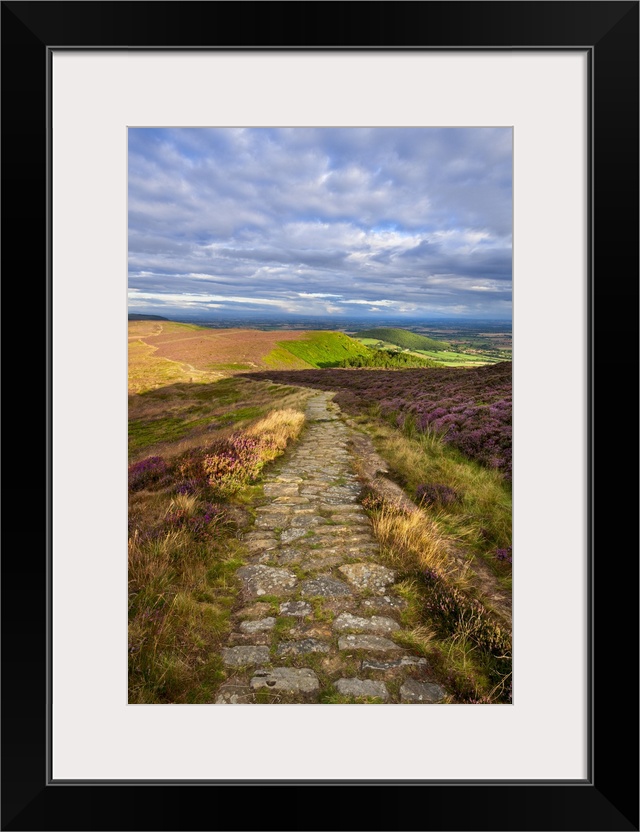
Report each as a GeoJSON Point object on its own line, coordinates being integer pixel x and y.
{"type": "Point", "coordinates": [272, 213]}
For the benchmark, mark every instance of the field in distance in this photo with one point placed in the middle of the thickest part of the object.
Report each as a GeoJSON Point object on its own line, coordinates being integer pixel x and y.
{"type": "Point", "coordinates": [466, 347]}
{"type": "Point", "coordinates": [167, 352]}
{"type": "Point", "coordinates": [162, 352]}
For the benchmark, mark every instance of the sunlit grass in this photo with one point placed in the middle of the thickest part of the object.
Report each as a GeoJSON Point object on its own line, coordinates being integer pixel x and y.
{"type": "Point", "coordinates": [481, 518]}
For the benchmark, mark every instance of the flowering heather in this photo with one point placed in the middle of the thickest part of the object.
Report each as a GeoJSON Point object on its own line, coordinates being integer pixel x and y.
{"type": "Point", "coordinates": [505, 555]}
{"type": "Point", "coordinates": [231, 463]}
{"type": "Point", "coordinates": [187, 487]}
{"type": "Point", "coordinates": [470, 409]}
{"type": "Point", "coordinates": [436, 494]}
{"type": "Point", "coordinates": [223, 466]}
{"type": "Point", "coordinates": [190, 469]}
{"type": "Point", "coordinates": [148, 472]}
{"type": "Point", "coordinates": [228, 464]}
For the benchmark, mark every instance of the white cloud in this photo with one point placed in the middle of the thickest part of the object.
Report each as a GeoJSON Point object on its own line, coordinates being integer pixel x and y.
{"type": "Point", "coordinates": [175, 298]}
{"type": "Point", "coordinates": [317, 295]}
{"type": "Point", "coordinates": [313, 219]}
{"type": "Point", "coordinates": [373, 302]}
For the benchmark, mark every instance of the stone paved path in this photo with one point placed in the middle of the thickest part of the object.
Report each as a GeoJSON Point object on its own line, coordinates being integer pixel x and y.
{"type": "Point", "coordinates": [319, 612]}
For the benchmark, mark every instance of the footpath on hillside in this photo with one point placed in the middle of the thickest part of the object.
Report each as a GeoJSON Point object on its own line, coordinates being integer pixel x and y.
{"type": "Point", "coordinates": [320, 619]}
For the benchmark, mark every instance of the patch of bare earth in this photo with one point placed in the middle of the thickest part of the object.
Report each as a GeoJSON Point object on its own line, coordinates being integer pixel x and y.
{"type": "Point", "coordinates": [204, 348]}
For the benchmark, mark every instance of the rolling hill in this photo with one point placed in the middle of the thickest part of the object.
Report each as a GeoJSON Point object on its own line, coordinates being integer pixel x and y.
{"type": "Point", "coordinates": [322, 349]}
{"type": "Point", "coordinates": [402, 338]}
{"type": "Point", "coordinates": [174, 352]}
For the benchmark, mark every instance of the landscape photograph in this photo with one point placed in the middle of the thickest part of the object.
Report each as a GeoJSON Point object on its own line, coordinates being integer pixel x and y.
{"type": "Point", "coordinates": [320, 415]}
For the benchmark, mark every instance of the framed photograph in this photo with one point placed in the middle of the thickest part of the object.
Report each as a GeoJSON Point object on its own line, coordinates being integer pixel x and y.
{"type": "Point", "coordinates": [89, 87]}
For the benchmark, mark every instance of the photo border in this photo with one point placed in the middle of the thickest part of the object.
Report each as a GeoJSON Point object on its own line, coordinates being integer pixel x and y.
{"type": "Point", "coordinates": [608, 800]}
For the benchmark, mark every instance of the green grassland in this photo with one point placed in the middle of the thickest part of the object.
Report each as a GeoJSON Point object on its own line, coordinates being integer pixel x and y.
{"type": "Point", "coordinates": [321, 349]}
{"type": "Point", "coordinates": [281, 357]}
{"type": "Point", "coordinates": [440, 357]}
{"type": "Point", "coordinates": [402, 338]}
{"type": "Point", "coordinates": [373, 342]}
{"type": "Point", "coordinates": [449, 358]}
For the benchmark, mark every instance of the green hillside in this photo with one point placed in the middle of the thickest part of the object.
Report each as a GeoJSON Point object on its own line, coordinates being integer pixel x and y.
{"type": "Point", "coordinates": [403, 338]}
{"type": "Point", "coordinates": [320, 349]}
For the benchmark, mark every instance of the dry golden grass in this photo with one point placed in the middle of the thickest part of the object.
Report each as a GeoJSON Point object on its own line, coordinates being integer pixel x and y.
{"type": "Point", "coordinates": [480, 521]}
{"type": "Point", "coordinates": [412, 541]}
{"type": "Point", "coordinates": [278, 428]}
{"type": "Point", "coordinates": [150, 563]}
{"type": "Point", "coordinates": [148, 371]}
{"type": "Point", "coordinates": [186, 503]}
{"type": "Point", "coordinates": [420, 639]}
{"type": "Point", "coordinates": [142, 329]}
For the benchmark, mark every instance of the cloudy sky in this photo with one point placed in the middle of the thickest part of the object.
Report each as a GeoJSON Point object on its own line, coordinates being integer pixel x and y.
{"type": "Point", "coordinates": [377, 223]}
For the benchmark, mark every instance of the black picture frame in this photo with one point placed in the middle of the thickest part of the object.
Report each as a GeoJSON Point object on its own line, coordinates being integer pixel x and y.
{"type": "Point", "coordinates": [608, 798]}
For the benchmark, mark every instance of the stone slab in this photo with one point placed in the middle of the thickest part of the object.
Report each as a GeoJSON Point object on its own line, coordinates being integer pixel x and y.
{"type": "Point", "coordinates": [297, 609]}
{"type": "Point", "coordinates": [232, 694]}
{"type": "Point", "coordinates": [290, 535]}
{"type": "Point", "coordinates": [369, 576]}
{"type": "Point", "coordinates": [384, 604]}
{"type": "Point", "coordinates": [324, 587]}
{"type": "Point", "coordinates": [286, 680]}
{"type": "Point", "coordinates": [362, 687]}
{"type": "Point", "coordinates": [245, 655]}
{"type": "Point", "coordinates": [259, 626]}
{"type": "Point", "coordinates": [300, 648]}
{"type": "Point", "coordinates": [353, 623]}
{"type": "Point", "coordinates": [426, 693]}
{"type": "Point", "coordinates": [405, 661]}
{"type": "Point", "coordinates": [266, 580]}
{"type": "Point", "coordinates": [367, 642]}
